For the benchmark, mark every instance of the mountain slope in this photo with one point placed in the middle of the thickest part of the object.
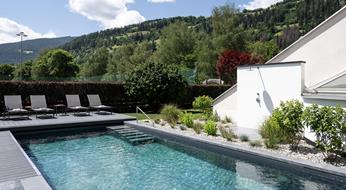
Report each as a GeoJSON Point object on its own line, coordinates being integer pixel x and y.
{"type": "Point", "coordinates": [283, 22]}
{"type": "Point", "coordinates": [9, 53]}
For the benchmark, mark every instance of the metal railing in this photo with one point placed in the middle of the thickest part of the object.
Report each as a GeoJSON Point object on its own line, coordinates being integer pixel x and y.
{"type": "Point", "coordinates": [137, 112]}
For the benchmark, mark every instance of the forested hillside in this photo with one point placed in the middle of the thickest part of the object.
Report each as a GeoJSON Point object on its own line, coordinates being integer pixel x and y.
{"type": "Point", "coordinates": [9, 52]}
{"type": "Point", "coordinates": [200, 47]}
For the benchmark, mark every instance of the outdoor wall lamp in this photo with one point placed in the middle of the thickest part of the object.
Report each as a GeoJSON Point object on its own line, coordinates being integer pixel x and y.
{"type": "Point", "coordinates": [258, 98]}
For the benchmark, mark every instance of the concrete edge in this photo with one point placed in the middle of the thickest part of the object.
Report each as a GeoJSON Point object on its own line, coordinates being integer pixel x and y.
{"type": "Point", "coordinates": [327, 171]}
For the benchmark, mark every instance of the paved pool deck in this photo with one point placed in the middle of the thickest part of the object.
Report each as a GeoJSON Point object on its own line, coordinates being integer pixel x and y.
{"type": "Point", "coordinates": [33, 123]}
{"type": "Point", "coordinates": [17, 172]}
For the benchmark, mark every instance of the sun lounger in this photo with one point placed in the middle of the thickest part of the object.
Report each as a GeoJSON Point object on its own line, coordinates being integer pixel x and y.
{"type": "Point", "coordinates": [13, 104]}
{"type": "Point", "coordinates": [39, 105]}
{"type": "Point", "coordinates": [74, 104]}
{"type": "Point", "coordinates": [95, 103]}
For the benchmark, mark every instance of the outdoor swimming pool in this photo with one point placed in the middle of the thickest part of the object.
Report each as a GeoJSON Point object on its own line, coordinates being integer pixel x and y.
{"type": "Point", "coordinates": [101, 160]}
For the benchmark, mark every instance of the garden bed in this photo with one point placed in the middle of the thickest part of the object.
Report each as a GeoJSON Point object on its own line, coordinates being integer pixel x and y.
{"type": "Point", "coordinates": [305, 151]}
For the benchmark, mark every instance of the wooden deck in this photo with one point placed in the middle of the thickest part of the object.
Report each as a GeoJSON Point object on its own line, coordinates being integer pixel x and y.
{"type": "Point", "coordinates": [34, 123]}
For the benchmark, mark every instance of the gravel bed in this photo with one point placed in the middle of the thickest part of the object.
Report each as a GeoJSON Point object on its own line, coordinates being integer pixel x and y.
{"type": "Point", "coordinates": [305, 151]}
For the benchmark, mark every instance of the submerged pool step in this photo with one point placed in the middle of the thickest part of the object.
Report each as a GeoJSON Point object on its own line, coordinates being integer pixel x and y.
{"type": "Point", "coordinates": [132, 135]}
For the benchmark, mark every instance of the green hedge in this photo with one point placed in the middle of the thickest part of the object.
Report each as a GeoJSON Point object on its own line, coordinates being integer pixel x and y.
{"type": "Point", "coordinates": [110, 93]}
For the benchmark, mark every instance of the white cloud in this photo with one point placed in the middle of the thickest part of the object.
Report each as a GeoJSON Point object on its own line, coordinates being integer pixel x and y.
{"type": "Point", "coordinates": [10, 28]}
{"type": "Point", "coordinates": [256, 4]}
{"type": "Point", "coordinates": [162, 1]}
{"type": "Point", "coordinates": [109, 13]}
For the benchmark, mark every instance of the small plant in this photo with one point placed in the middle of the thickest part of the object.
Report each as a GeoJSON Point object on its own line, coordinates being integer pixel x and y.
{"type": "Point", "coordinates": [272, 132]}
{"type": "Point", "coordinates": [212, 116]}
{"type": "Point", "coordinates": [271, 143]}
{"type": "Point", "coordinates": [227, 133]}
{"type": "Point", "coordinates": [255, 143]}
{"type": "Point", "coordinates": [171, 114]}
{"type": "Point", "coordinates": [157, 121]}
{"type": "Point", "coordinates": [210, 128]}
{"type": "Point", "coordinates": [227, 119]}
{"type": "Point", "coordinates": [203, 103]}
{"type": "Point", "coordinates": [329, 124]}
{"type": "Point", "coordinates": [187, 119]}
{"type": "Point", "coordinates": [183, 128]}
{"type": "Point", "coordinates": [244, 138]}
{"type": "Point", "coordinates": [197, 127]}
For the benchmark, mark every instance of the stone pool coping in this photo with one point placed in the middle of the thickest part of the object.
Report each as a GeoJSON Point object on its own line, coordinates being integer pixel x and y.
{"type": "Point", "coordinates": [326, 171]}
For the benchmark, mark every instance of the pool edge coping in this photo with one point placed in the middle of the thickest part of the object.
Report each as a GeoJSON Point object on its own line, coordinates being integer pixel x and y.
{"type": "Point", "coordinates": [325, 168]}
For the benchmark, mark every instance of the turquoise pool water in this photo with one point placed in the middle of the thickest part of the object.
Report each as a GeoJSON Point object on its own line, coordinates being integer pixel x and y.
{"type": "Point", "coordinates": [100, 160]}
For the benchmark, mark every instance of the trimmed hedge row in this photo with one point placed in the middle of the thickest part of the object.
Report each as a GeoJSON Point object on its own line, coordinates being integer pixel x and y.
{"type": "Point", "coordinates": [112, 94]}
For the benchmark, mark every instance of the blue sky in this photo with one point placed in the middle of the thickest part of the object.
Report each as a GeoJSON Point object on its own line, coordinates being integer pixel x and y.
{"type": "Point", "coordinates": [51, 18]}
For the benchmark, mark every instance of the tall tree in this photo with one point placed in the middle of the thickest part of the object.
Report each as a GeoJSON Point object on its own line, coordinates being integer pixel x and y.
{"type": "Point", "coordinates": [227, 31]}
{"type": "Point", "coordinates": [229, 60]}
{"type": "Point", "coordinates": [6, 71]}
{"type": "Point", "coordinates": [23, 71]}
{"type": "Point", "coordinates": [56, 64]}
{"type": "Point", "coordinates": [266, 50]}
{"type": "Point", "coordinates": [97, 63]}
{"type": "Point", "coordinates": [176, 45]}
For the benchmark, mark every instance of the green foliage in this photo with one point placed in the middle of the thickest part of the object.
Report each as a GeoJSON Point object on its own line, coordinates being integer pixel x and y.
{"type": "Point", "coordinates": [56, 64]}
{"type": "Point", "coordinates": [6, 71]}
{"type": "Point", "coordinates": [228, 119]}
{"type": "Point", "coordinates": [255, 143]}
{"type": "Point", "coordinates": [203, 103]}
{"type": "Point", "coordinates": [197, 127]}
{"type": "Point", "coordinates": [227, 133]}
{"type": "Point", "coordinates": [171, 114]}
{"type": "Point", "coordinates": [187, 119]}
{"type": "Point", "coordinates": [266, 50]}
{"type": "Point", "coordinates": [96, 64]}
{"type": "Point", "coordinates": [210, 128]}
{"type": "Point", "coordinates": [176, 45]}
{"type": "Point", "coordinates": [329, 124]}
{"type": "Point", "coordinates": [272, 132]}
{"type": "Point", "coordinates": [227, 30]}
{"type": "Point", "coordinates": [244, 138]}
{"type": "Point", "coordinates": [157, 83]}
{"type": "Point", "coordinates": [289, 118]}
{"type": "Point", "coordinates": [23, 71]}
{"type": "Point", "coordinates": [213, 116]}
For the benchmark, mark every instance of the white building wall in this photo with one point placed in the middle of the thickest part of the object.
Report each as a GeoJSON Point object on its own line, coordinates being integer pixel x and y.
{"type": "Point", "coordinates": [273, 83]}
{"type": "Point", "coordinates": [227, 104]}
{"type": "Point", "coordinates": [323, 49]}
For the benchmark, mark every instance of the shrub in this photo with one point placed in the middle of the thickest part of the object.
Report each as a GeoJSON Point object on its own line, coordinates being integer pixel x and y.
{"type": "Point", "coordinates": [187, 119]}
{"type": "Point", "coordinates": [171, 114]}
{"type": "Point", "coordinates": [155, 82]}
{"type": "Point", "coordinates": [203, 103]}
{"type": "Point", "coordinates": [271, 143]}
{"type": "Point", "coordinates": [197, 127]}
{"type": "Point", "coordinates": [289, 118]}
{"type": "Point", "coordinates": [244, 138]}
{"type": "Point", "coordinates": [255, 143]}
{"type": "Point", "coordinates": [272, 132]}
{"type": "Point", "coordinates": [228, 119]}
{"type": "Point", "coordinates": [227, 133]}
{"type": "Point", "coordinates": [210, 128]}
{"type": "Point", "coordinates": [329, 124]}
{"type": "Point", "coordinates": [212, 116]}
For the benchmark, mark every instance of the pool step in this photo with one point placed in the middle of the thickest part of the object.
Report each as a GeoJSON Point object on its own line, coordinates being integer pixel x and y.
{"type": "Point", "coordinates": [132, 135]}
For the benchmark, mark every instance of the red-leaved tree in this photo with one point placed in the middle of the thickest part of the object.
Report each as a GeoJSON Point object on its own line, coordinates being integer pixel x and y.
{"type": "Point", "coordinates": [229, 60]}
